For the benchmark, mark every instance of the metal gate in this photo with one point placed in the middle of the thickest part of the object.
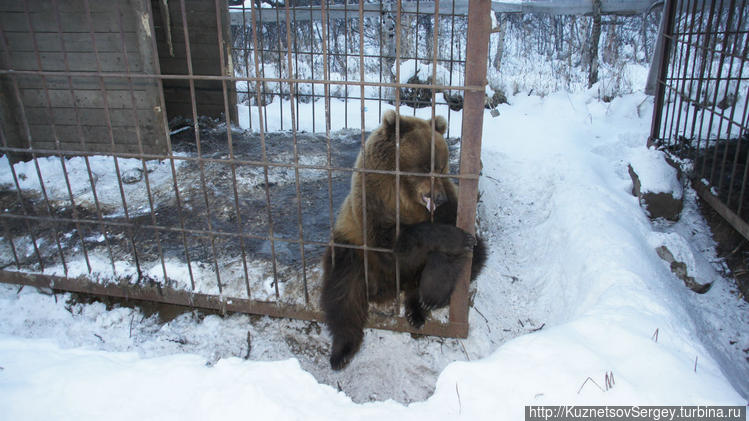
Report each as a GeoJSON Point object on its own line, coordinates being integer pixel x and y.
{"type": "Point", "coordinates": [701, 96]}
{"type": "Point", "coordinates": [233, 210]}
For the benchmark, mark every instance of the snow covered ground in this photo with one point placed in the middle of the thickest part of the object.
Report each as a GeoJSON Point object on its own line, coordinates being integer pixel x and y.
{"type": "Point", "coordinates": [573, 291]}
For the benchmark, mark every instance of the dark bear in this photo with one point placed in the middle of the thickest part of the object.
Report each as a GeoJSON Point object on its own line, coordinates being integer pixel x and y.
{"type": "Point", "coordinates": [431, 250]}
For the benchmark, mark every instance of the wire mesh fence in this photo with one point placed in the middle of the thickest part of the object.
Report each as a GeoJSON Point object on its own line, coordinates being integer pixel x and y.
{"type": "Point", "coordinates": [196, 153]}
{"type": "Point", "coordinates": [701, 100]}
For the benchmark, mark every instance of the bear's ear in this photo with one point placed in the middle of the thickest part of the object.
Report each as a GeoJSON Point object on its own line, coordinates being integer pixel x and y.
{"type": "Point", "coordinates": [440, 124]}
{"type": "Point", "coordinates": [388, 120]}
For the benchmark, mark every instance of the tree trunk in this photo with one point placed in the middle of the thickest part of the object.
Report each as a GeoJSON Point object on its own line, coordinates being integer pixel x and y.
{"type": "Point", "coordinates": [502, 31]}
{"type": "Point", "coordinates": [594, 38]}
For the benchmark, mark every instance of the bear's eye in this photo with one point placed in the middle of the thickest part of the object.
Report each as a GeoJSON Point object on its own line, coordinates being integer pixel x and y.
{"type": "Point", "coordinates": [438, 169]}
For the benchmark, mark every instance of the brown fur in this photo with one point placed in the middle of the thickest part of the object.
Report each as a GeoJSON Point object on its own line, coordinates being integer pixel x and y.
{"type": "Point", "coordinates": [430, 254]}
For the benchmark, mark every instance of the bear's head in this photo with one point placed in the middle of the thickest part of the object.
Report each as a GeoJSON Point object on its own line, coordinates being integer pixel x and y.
{"type": "Point", "coordinates": [422, 150]}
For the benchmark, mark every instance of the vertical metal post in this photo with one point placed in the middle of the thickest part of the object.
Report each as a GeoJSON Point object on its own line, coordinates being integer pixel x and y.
{"type": "Point", "coordinates": [477, 48]}
{"type": "Point", "coordinates": [662, 52]}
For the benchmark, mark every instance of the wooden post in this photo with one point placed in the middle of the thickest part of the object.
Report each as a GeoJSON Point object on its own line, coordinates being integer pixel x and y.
{"type": "Point", "coordinates": [477, 48]}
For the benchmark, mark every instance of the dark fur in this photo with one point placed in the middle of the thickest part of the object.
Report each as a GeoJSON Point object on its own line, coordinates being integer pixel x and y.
{"type": "Point", "coordinates": [430, 255]}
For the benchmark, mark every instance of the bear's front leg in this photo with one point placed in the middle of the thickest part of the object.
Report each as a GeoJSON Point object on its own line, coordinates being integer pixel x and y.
{"type": "Point", "coordinates": [416, 241]}
{"type": "Point", "coordinates": [415, 313]}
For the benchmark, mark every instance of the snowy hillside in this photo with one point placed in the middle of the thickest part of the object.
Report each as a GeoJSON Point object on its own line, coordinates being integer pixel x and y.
{"type": "Point", "coordinates": [573, 289]}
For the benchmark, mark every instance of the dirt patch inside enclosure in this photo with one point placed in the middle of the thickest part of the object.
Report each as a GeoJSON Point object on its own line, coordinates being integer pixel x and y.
{"type": "Point", "coordinates": [203, 197]}
{"type": "Point", "coordinates": [181, 329]}
{"type": "Point", "coordinates": [732, 247]}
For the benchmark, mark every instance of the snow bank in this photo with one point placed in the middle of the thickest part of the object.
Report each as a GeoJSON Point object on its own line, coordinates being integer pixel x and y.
{"type": "Point", "coordinates": [344, 115]}
{"type": "Point", "coordinates": [104, 178]}
{"type": "Point", "coordinates": [654, 176]}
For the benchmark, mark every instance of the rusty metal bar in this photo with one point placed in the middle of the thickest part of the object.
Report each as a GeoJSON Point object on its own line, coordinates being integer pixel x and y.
{"type": "Point", "coordinates": [312, 86]}
{"type": "Point", "coordinates": [230, 144]}
{"type": "Point", "coordinates": [397, 302]}
{"type": "Point", "coordinates": [139, 139]}
{"type": "Point", "coordinates": [325, 82]}
{"type": "Point", "coordinates": [192, 231]}
{"type": "Point", "coordinates": [736, 45]}
{"type": "Point", "coordinates": [708, 69]}
{"type": "Point", "coordinates": [280, 69]}
{"type": "Point", "coordinates": [237, 161]}
{"type": "Point", "coordinates": [257, 24]}
{"type": "Point", "coordinates": [51, 114]}
{"type": "Point", "coordinates": [27, 130]}
{"type": "Point", "coordinates": [479, 27]}
{"type": "Point", "coordinates": [300, 225]}
{"type": "Point", "coordinates": [432, 106]}
{"type": "Point", "coordinates": [675, 57]}
{"type": "Point", "coordinates": [715, 98]}
{"type": "Point", "coordinates": [247, 64]}
{"type": "Point", "coordinates": [91, 181]}
{"type": "Point", "coordinates": [665, 38]}
{"type": "Point", "coordinates": [162, 105]}
{"type": "Point", "coordinates": [262, 128]}
{"type": "Point", "coordinates": [168, 295]}
{"type": "Point", "coordinates": [19, 195]}
{"type": "Point", "coordinates": [196, 128]}
{"type": "Point", "coordinates": [107, 113]}
{"type": "Point", "coordinates": [452, 46]}
{"type": "Point", "coordinates": [702, 77]}
{"type": "Point", "coordinates": [725, 46]}
{"type": "Point", "coordinates": [699, 79]}
{"type": "Point", "coordinates": [746, 164]}
{"type": "Point", "coordinates": [682, 67]}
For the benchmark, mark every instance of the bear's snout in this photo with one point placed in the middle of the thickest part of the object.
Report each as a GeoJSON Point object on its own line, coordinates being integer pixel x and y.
{"type": "Point", "coordinates": [431, 203]}
{"type": "Point", "coordinates": [439, 198]}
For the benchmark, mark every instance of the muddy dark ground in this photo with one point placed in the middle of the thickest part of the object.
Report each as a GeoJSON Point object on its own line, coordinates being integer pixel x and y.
{"type": "Point", "coordinates": [732, 247]}
{"type": "Point", "coordinates": [206, 203]}
{"type": "Point", "coordinates": [731, 155]}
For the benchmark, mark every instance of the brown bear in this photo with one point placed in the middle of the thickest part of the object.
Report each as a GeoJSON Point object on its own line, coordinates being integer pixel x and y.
{"type": "Point", "coordinates": [431, 250]}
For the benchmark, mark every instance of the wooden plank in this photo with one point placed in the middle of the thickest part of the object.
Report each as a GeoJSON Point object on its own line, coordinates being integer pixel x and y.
{"type": "Point", "coordinates": [42, 133]}
{"type": "Point", "coordinates": [74, 148]}
{"type": "Point", "coordinates": [96, 139]}
{"type": "Point", "coordinates": [65, 6]}
{"type": "Point", "coordinates": [74, 42]}
{"type": "Point", "coordinates": [86, 95]}
{"type": "Point", "coordinates": [739, 224]}
{"type": "Point", "coordinates": [10, 115]}
{"type": "Point", "coordinates": [86, 99]}
{"type": "Point", "coordinates": [90, 116]}
{"type": "Point", "coordinates": [44, 20]}
{"type": "Point", "coordinates": [82, 83]}
{"type": "Point", "coordinates": [84, 62]}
